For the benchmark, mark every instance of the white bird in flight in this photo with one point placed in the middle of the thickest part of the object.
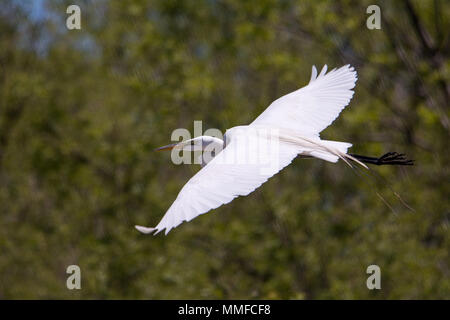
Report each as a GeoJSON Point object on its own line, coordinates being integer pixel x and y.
{"type": "Point", "coordinates": [294, 122]}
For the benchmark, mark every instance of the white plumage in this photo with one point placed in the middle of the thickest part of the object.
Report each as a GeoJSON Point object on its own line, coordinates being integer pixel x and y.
{"type": "Point", "coordinates": [314, 107]}
{"type": "Point", "coordinates": [293, 122]}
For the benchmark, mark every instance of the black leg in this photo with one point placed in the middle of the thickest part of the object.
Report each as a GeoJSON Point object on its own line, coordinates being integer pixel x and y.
{"type": "Point", "coordinates": [390, 158]}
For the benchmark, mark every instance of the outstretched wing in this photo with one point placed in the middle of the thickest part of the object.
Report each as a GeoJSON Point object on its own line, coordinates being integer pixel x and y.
{"type": "Point", "coordinates": [314, 107]}
{"type": "Point", "coordinates": [308, 110]}
{"type": "Point", "coordinates": [229, 175]}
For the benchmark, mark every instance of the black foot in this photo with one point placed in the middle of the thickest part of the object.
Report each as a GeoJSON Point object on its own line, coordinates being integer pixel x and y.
{"type": "Point", "coordinates": [394, 158]}
{"type": "Point", "coordinates": [390, 158]}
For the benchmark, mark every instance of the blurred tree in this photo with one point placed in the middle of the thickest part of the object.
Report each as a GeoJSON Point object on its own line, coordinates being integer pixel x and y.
{"type": "Point", "coordinates": [81, 111]}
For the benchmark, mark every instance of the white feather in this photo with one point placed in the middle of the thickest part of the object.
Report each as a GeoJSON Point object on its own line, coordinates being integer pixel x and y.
{"type": "Point", "coordinates": [314, 107]}
{"type": "Point", "coordinates": [298, 116]}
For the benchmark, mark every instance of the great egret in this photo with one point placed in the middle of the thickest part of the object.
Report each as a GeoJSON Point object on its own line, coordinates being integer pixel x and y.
{"type": "Point", "coordinates": [294, 122]}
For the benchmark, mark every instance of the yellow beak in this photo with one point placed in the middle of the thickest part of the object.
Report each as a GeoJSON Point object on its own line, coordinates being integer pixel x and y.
{"type": "Point", "coordinates": [168, 147]}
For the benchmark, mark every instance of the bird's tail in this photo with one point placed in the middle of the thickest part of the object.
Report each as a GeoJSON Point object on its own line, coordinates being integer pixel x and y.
{"type": "Point", "coordinates": [334, 150]}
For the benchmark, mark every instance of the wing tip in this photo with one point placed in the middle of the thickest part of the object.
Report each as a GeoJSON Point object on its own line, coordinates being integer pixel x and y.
{"type": "Point", "coordinates": [323, 71]}
{"type": "Point", "coordinates": [155, 231]}
{"type": "Point", "coordinates": [348, 67]}
{"type": "Point", "coordinates": [313, 74]}
{"type": "Point", "coordinates": [145, 230]}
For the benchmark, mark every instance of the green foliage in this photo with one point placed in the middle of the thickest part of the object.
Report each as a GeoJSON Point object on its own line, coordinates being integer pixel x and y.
{"type": "Point", "coordinates": [81, 111]}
